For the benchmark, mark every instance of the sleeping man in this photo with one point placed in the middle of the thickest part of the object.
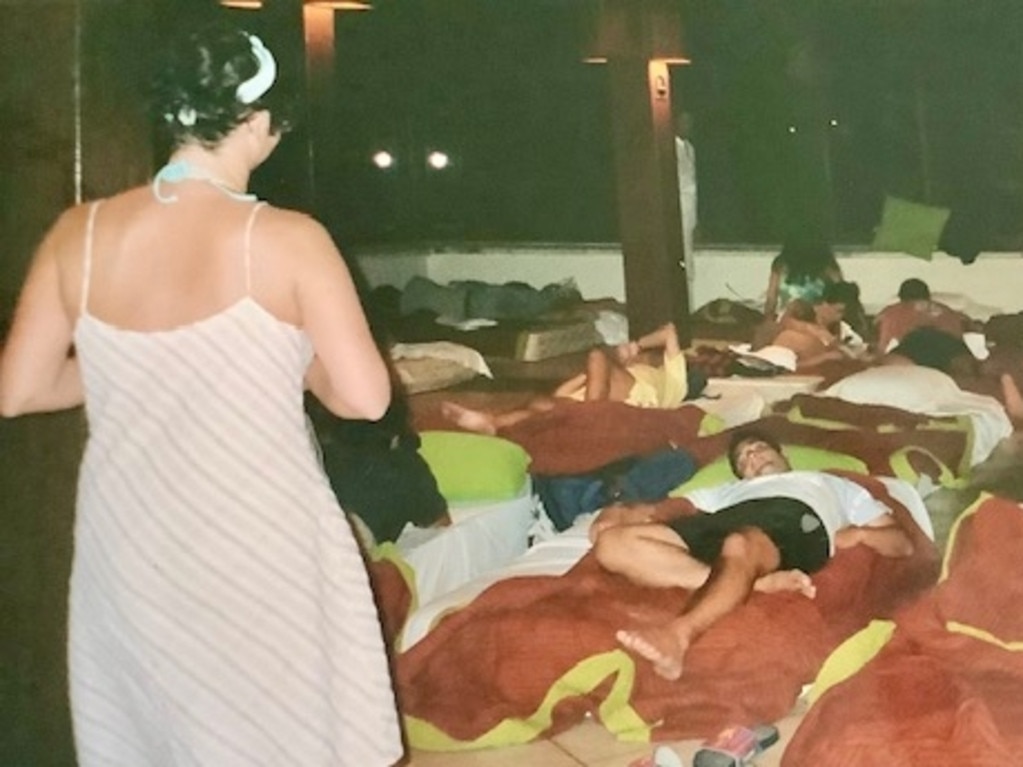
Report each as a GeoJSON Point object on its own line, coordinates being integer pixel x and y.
{"type": "Point", "coordinates": [767, 531]}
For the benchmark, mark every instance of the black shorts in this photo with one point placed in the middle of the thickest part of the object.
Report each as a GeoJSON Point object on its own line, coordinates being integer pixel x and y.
{"type": "Point", "coordinates": [791, 525]}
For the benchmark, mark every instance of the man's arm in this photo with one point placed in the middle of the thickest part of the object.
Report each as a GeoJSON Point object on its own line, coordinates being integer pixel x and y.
{"type": "Point", "coordinates": [640, 514]}
{"type": "Point", "coordinates": [888, 541]}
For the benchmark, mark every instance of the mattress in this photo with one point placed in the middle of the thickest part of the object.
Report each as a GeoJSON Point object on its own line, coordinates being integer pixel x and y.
{"type": "Point", "coordinates": [554, 556]}
{"type": "Point", "coordinates": [535, 344]}
{"type": "Point", "coordinates": [483, 536]}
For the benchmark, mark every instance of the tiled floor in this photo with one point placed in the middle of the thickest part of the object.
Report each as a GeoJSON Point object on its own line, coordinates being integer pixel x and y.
{"type": "Point", "coordinates": [588, 744]}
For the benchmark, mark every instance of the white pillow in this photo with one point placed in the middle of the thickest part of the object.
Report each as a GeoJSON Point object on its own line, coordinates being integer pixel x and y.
{"type": "Point", "coordinates": [914, 388]}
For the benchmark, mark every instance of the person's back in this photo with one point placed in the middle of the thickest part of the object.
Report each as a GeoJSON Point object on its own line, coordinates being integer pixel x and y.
{"type": "Point", "coordinates": [895, 321]}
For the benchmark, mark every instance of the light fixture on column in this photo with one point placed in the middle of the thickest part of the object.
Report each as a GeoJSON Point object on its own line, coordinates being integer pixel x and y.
{"type": "Point", "coordinates": [335, 5]}
{"type": "Point", "coordinates": [340, 5]}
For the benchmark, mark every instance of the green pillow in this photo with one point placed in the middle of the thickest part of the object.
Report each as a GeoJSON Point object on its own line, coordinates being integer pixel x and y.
{"type": "Point", "coordinates": [801, 457]}
{"type": "Point", "coordinates": [474, 467]}
{"type": "Point", "coordinates": [910, 227]}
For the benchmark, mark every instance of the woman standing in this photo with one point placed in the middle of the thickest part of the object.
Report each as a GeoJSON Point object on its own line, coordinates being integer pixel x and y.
{"type": "Point", "coordinates": [220, 611]}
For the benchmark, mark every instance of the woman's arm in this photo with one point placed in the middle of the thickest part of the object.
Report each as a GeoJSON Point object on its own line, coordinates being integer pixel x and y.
{"type": "Point", "coordinates": [348, 374]}
{"type": "Point", "coordinates": [38, 369]}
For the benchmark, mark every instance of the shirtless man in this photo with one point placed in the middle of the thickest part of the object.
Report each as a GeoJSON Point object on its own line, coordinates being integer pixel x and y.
{"type": "Point", "coordinates": [764, 532]}
{"type": "Point", "coordinates": [810, 330]}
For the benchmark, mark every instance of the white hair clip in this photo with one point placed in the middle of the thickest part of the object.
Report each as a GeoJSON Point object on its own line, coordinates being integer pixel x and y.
{"type": "Point", "coordinates": [187, 116]}
{"type": "Point", "coordinates": [259, 83]}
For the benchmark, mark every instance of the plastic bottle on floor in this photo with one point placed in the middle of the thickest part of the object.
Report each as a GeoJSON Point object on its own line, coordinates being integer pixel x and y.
{"type": "Point", "coordinates": [735, 746]}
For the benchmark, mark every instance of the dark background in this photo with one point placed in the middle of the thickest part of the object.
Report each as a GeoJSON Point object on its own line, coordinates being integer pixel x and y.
{"type": "Point", "coordinates": [806, 113]}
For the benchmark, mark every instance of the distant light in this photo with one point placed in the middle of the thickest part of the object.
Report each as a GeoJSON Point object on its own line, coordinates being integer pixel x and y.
{"type": "Point", "coordinates": [340, 5]}
{"type": "Point", "coordinates": [792, 129]}
{"type": "Point", "coordinates": [383, 160]}
{"type": "Point", "coordinates": [438, 160]}
{"type": "Point", "coordinates": [833, 122]}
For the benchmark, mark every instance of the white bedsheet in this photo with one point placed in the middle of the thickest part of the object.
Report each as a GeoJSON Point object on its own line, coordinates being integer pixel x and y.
{"type": "Point", "coordinates": [483, 536]}
{"type": "Point", "coordinates": [923, 390]}
{"type": "Point", "coordinates": [551, 557]}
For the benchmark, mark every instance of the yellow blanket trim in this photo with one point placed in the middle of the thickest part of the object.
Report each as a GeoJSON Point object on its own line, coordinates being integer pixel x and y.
{"type": "Point", "coordinates": [850, 656]}
{"type": "Point", "coordinates": [711, 423]}
{"type": "Point", "coordinates": [615, 712]}
{"type": "Point", "coordinates": [388, 551]}
{"type": "Point", "coordinates": [901, 467]}
{"type": "Point", "coordinates": [953, 532]}
{"type": "Point", "coordinates": [795, 415]}
{"type": "Point", "coordinates": [955, 627]}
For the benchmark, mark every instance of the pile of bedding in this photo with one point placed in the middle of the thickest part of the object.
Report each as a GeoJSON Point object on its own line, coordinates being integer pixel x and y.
{"type": "Point", "coordinates": [948, 686]}
{"type": "Point", "coordinates": [531, 656]}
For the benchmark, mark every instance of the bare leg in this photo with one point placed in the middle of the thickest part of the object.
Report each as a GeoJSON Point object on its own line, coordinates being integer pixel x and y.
{"type": "Point", "coordinates": [1013, 398]}
{"type": "Point", "coordinates": [745, 557]}
{"type": "Point", "coordinates": [483, 422]}
{"type": "Point", "coordinates": [649, 554]}
{"type": "Point", "coordinates": [472, 420]}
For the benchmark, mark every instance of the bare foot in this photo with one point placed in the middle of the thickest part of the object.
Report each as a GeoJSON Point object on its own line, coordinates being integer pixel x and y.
{"type": "Point", "coordinates": [663, 646]}
{"type": "Point", "coordinates": [472, 420]}
{"type": "Point", "coordinates": [786, 580]}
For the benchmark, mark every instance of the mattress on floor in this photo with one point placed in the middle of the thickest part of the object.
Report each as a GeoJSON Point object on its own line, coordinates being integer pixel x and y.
{"type": "Point", "coordinates": [483, 536]}
{"type": "Point", "coordinates": [553, 556]}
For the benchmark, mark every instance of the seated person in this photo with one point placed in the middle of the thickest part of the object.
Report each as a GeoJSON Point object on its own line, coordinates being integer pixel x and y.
{"type": "Point", "coordinates": [915, 309]}
{"type": "Point", "coordinates": [623, 374]}
{"type": "Point", "coordinates": [801, 271]}
{"type": "Point", "coordinates": [766, 532]}
{"type": "Point", "coordinates": [812, 331]}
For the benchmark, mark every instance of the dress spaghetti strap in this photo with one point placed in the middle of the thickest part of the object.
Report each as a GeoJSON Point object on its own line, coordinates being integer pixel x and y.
{"type": "Point", "coordinates": [87, 258]}
{"type": "Point", "coordinates": [248, 247]}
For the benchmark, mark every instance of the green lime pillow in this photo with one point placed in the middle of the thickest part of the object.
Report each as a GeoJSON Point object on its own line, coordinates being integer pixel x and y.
{"type": "Point", "coordinates": [474, 467]}
{"type": "Point", "coordinates": [801, 457]}
{"type": "Point", "coordinates": [909, 227]}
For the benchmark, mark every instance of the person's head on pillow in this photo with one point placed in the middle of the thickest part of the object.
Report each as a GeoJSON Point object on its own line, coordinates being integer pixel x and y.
{"type": "Point", "coordinates": [754, 453]}
{"type": "Point", "coordinates": [914, 289]}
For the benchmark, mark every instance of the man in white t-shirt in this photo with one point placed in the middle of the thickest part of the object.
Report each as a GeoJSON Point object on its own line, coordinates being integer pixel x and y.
{"type": "Point", "coordinates": [766, 532]}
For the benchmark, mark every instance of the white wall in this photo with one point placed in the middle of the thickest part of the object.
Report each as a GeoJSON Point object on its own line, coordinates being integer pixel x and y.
{"type": "Point", "coordinates": [993, 283]}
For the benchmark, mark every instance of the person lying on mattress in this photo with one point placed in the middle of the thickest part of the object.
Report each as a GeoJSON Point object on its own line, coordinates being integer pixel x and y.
{"type": "Point", "coordinates": [764, 532]}
{"type": "Point", "coordinates": [620, 374]}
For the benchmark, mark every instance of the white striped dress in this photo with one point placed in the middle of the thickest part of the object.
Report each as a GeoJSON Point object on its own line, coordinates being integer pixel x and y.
{"type": "Point", "coordinates": [220, 611]}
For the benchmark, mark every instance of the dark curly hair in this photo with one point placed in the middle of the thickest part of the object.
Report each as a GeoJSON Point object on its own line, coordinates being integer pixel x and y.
{"type": "Point", "coordinates": [741, 437]}
{"type": "Point", "coordinates": [803, 259]}
{"type": "Point", "coordinates": [201, 73]}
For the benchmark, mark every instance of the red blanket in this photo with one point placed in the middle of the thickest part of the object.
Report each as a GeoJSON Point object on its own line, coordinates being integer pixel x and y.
{"type": "Point", "coordinates": [948, 687]}
{"type": "Point", "coordinates": [531, 656]}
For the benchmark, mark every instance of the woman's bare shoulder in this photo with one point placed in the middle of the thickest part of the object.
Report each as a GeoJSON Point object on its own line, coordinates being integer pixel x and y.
{"type": "Point", "coordinates": [293, 229]}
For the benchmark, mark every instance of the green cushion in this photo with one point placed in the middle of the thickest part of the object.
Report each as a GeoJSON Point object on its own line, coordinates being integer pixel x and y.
{"type": "Point", "coordinates": [801, 457]}
{"type": "Point", "coordinates": [474, 467]}
{"type": "Point", "coordinates": [910, 227]}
